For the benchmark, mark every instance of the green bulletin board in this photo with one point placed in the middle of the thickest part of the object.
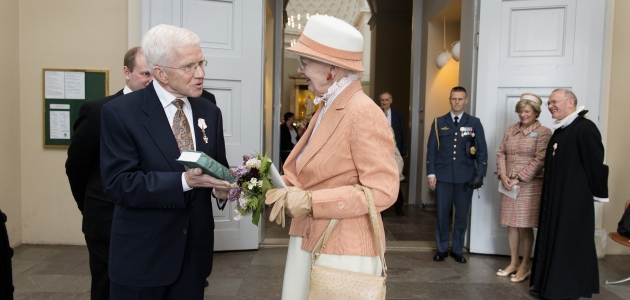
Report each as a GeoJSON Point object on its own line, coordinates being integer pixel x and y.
{"type": "Point", "coordinates": [64, 91]}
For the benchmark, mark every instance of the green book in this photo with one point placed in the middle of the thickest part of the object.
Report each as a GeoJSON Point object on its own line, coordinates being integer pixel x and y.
{"type": "Point", "coordinates": [198, 159]}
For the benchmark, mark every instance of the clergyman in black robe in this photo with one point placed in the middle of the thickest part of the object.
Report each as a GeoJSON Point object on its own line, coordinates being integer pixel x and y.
{"type": "Point", "coordinates": [565, 260]}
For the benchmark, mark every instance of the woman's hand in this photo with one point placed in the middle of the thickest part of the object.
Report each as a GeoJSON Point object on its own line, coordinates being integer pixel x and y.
{"type": "Point", "coordinates": [506, 182]}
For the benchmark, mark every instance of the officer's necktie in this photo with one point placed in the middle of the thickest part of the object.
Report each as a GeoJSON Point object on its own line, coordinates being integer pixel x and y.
{"type": "Point", "coordinates": [456, 118]}
{"type": "Point", "coordinates": [181, 128]}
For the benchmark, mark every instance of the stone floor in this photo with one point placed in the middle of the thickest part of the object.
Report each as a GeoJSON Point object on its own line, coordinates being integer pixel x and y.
{"type": "Point", "coordinates": [62, 272]}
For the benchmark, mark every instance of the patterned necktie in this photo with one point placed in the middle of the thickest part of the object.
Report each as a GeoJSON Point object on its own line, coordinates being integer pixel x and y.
{"type": "Point", "coordinates": [456, 118]}
{"type": "Point", "coordinates": [181, 128]}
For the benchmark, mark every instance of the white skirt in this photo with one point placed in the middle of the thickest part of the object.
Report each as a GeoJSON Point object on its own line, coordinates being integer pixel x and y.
{"type": "Point", "coordinates": [297, 271]}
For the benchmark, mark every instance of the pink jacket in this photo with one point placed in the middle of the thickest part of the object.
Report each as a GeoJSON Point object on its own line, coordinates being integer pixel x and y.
{"type": "Point", "coordinates": [352, 145]}
{"type": "Point", "coordinates": [522, 153]}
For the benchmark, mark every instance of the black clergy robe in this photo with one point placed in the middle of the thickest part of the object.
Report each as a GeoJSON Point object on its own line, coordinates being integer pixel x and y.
{"type": "Point", "coordinates": [565, 261]}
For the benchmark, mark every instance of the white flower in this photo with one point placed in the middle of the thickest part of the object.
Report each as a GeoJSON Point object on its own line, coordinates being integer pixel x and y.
{"type": "Point", "coordinates": [201, 123]}
{"type": "Point", "coordinates": [238, 216]}
{"type": "Point", "coordinates": [243, 202]}
{"type": "Point", "coordinates": [253, 163]}
{"type": "Point", "coordinates": [254, 182]}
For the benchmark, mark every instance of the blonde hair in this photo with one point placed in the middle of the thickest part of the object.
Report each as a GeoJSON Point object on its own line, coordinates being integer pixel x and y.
{"type": "Point", "coordinates": [529, 99]}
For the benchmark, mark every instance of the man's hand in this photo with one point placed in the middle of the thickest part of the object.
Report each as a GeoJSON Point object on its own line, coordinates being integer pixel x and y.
{"type": "Point", "coordinates": [432, 182]}
{"type": "Point", "coordinates": [476, 182]}
{"type": "Point", "coordinates": [196, 179]}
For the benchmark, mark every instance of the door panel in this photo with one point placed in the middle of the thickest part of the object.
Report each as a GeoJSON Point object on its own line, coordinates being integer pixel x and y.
{"type": "Point", "coordinates": [536, 47]}
{"type": "Point", "coordinates": [232, 38]}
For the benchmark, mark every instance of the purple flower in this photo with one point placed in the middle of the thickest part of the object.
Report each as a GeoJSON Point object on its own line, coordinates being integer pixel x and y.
{"type": "Point", "coordinates": [247, 157]}
{"type": "Point", "coordinates": [238, 171]}
{"type": "Point", "coordinates": [253, 173]}
{"type": "Point", "coordinates": [234, 194]}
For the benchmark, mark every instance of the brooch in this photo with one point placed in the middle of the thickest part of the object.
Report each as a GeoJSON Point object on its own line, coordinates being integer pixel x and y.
{"type": "Point", "coordinates": [202, 124]}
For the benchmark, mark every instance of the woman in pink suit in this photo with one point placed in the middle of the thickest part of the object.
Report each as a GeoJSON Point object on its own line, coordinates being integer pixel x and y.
{"type": "Point", "coordinates": [348, 142]}
{"type": "Point", "coordinates": [520, 162]}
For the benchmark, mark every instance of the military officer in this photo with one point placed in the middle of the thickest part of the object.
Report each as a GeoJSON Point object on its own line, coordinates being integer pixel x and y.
{"type": "Point", "coordinates": [456, 165]}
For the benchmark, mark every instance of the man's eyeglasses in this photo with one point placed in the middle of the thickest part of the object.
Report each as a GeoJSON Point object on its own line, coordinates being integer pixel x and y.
{"type": "Point", "coordinates": [191, 68]}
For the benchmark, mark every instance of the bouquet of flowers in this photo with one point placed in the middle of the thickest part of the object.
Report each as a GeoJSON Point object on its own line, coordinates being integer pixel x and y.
{"type": "Point", "coordinates": [252, 183]}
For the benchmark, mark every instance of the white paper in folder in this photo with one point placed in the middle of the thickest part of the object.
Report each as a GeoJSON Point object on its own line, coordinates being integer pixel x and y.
{"type": "Point", "coordinates": [512, 194]}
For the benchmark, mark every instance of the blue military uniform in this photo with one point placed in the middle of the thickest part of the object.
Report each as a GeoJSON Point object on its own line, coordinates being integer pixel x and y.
{"type": "Point", "coordinates": [454, 164]}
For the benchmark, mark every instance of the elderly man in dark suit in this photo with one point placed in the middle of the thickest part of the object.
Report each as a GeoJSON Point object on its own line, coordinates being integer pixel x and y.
{"type": "Point", "coordinates": [396, 121]}
{"type": "Point", "coordinates": [84, 173]}
{"type": "Point", "coordinates": [163, 229]}
{"type": "Point", "coordinates": [457, 159]}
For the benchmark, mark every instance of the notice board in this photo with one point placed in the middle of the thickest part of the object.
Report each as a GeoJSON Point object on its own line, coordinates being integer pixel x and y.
{"type": "Point", "coordinates": [64, 91]}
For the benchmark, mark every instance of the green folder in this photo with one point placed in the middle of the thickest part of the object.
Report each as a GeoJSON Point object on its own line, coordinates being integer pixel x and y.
{"type": "Point", "coordinates": [198, 159]}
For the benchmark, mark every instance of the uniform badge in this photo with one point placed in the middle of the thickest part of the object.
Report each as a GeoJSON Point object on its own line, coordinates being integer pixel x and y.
{"type": "Point", "coordinates": [467, 131]}
{"type": "Point", "coordinates": [445, 128]}
{"type": "Point", "coordinates": [533, 134]}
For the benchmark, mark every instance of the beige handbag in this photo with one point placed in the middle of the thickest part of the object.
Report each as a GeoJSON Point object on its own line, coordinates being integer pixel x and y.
{"type": "Point", "coordinates": [331, 284]}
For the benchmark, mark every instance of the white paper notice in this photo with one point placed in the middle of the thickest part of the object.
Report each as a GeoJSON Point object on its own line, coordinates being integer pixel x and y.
{"type": "Point", "coordinates": [75, 85]}
{"type": "Point", "coordinates": [60, 124]}
{"type": "Point", "coordinates": [60, 106]}
{"type": "Point", "coordinates": [54, 83]}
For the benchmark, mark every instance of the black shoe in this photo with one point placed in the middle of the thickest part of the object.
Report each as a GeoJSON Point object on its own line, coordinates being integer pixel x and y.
{"type": "Point", "coordinates": [458, 258]}
{"type": "Point", "coordinates": [535, 294]}
{"type": "Point", "coordinates": [399, 212]}
{"type": "Point", "coordinates": [206, 284]}
{"type": "Point", "coordinates": [440, 256]}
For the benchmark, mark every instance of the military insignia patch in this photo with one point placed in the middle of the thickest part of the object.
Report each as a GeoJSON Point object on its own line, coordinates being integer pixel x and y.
{"type": "Point", "coordinates": [445, 128]}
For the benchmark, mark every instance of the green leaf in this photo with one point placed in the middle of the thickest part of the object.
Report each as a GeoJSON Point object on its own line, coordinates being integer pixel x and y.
{"type": "Point", "coordinates": [256, 214]}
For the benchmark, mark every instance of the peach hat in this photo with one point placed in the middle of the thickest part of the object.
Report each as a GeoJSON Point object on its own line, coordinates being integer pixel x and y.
{"type": "Point", "coordinates": [331, 40]}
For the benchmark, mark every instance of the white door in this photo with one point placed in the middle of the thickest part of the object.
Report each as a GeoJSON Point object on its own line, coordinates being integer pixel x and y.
{"type": "Point", "coordinates": [231, 33]}
{"type": "Point", "coordinates": [529, 46]}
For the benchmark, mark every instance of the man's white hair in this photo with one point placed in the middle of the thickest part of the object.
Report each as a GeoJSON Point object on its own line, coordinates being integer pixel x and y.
{"type": "Point", "coordinates": [159, 44]}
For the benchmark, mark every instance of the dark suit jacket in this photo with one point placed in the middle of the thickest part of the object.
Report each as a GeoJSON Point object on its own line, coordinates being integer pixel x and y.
{"type": "Point", "coordinates": [142, 177]}
{"type": "Point", "coordinates": [285, 138]}
{"type": "Point", "coordinates": [450, 163]}
{"type": "Point", "coordinates": [398, 124]}
{"type": "Point", "coordinates": [84, 171]}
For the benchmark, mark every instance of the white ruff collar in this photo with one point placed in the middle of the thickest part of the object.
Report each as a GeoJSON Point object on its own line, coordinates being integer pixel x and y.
{"type": "Point", "coordinates": [568, 119]}
{"type": "Point", "coordinates": [336, 88]}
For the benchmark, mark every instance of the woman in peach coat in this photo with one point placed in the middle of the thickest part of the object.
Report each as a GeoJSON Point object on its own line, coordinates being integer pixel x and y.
{"type": "Point", "coordinates": [348, 142]}
{"type": "Point", "coordinates": [520, 161]}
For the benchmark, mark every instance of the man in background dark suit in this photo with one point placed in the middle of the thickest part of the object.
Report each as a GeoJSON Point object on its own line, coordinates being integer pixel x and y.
{"type": "Point", "coordinates": [396, 121]}
{"type": "Point", "coordinates": [163, 228]}
{"type": "Point", "coordinates": [84, 173]}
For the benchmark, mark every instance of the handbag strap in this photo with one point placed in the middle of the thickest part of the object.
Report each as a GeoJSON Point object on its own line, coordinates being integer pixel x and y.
{"type": "Point", "coordinates": [321, 243]}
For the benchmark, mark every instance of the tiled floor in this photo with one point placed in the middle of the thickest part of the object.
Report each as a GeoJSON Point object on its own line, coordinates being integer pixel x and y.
{"type": "Point", "coordinates": [61, 272]}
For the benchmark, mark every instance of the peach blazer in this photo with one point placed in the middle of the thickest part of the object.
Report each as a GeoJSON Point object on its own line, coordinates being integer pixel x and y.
{"type": "Point", "coordinates": [353, 144]}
